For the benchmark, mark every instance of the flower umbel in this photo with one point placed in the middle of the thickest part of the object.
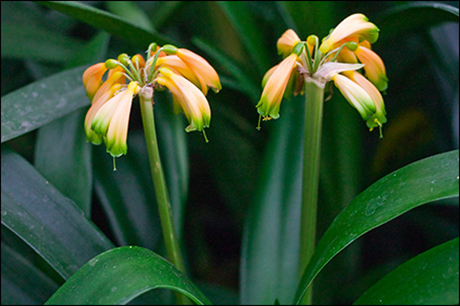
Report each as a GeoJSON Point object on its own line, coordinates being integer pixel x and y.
{"type": "Point", "coordinates": [338, 58]}
{"type": "Point", "coordinates": [187, 75]}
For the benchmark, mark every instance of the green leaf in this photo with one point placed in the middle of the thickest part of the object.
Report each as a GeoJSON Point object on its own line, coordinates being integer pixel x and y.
{"type": "Point", "coordinates": [22, 282]}
{"type": "Point", "coordinates": [93, 52]}
{"type": "Point", "coordinates": [270, 251]}
{"type": "Point", "coordinates": [430, 278]}
{"type": "Point", "coordinates": [245, 84]}
{"type": "Point", "coordinates": [127, 195]}
{"type": "Point", "coordinates": [413, 16]}
{"type": "Point", "coordinates": [121, 274]}
{"type": "Point", "coordinates": [62, 153]}
{"type": "Point", "coordinates": [427, 180]}
{"type": "Point", "coordinates": [172, 140]}
{"type": "Point", "coordinates": [244, 23]}
{"type": "Point", "coordinates": [63, 156]}
{"type": "Point", "coordinates": [129, 11]}
{"type": "Point", "coordinates": [48, 222]}
{"type": "Point", "coordinates": [22, 42]}
{"type": "Point", "coordinates": [41, 102]}
{"type": "Point", "coordinates": [113, 24]}
{"type": "Point", "coordinates": [164, 12]}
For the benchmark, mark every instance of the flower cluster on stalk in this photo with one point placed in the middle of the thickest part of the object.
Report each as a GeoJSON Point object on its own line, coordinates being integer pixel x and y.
{"type": "Point", "coordinates": [344, 57]}
{"type": "Point", "coordinates": [185, 74]}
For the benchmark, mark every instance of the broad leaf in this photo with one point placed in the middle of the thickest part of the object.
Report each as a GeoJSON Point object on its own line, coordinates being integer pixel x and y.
{"type": "Point", "coordinates": [48, 222]}
{"type": "Point", "coordinates": [430, 278]}
{"type": "Point", "coordinates": [269, 267]}
{"type": "Point", "coordinates": [21, 42]}
{"type": "Point", "coordinates": [41, 102]}
{"type": "Point", "coordinates": [119, 275]}
{"type": "Point", "coordinates": [111, 23]}
{"type": "Point", "coordinates": [20, 278]}
{"type": "Point", "coordinates": [428, 180]}
{"type": "Point", "coordinates": [244, 23]}
{"type": "Point", "coordinates": [245, 83]}
{"type": "Point", "coordinates": [413, 16]}
{"type": "Point", "coordinates": [63, 156]}
{"type": "Point", "coordinates": [127, 196]}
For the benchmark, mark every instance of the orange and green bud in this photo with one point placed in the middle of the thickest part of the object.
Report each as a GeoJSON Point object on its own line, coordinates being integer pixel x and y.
{"type": "Point", "coordinates": [124, 59]}
{"type": "Point", "coordinates": [275, 88]}
{"type": "Point", "coordinates": [190, 98]}
{"type": "Point", "coordinates": [169, 49]}
{"type": "Point", "coordinates": [111, 63]}
{"type": "Point", "coordinates": [354, 26]}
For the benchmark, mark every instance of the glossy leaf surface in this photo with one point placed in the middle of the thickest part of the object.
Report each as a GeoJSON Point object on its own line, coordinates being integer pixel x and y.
{"type": "Point", "coordinates": [119, 275]}
{"type": "Point", "coordinates": [41, 102]}
{"type": "Point", "coordinates": [427, 180]}
{"type": "Point", "coordinates": [108, 22]}
{"type": "Point", "coordinates": [430, 278]}
{"type": "Point", "coordinates": [48, 222]}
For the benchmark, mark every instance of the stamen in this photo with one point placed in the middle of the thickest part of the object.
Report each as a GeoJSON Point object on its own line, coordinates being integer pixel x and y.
{"type": "Point", "coordinates": [114, 164]}
{"type": "Point", "coordinates": [380, 127]}
{"type": "Point", "coordinates": [266, 118]}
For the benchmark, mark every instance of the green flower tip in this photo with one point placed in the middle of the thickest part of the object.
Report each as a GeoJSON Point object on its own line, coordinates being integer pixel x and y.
{"type": "Point", "coordinates": [116, 148]}
{"type": "Point", "coordinates": [124, 59]}
{"type": "Point", "coordinates": [170, 49]}
{"type": "Point", "coordinates": [352, 46]}
{"type": "Point", "coordinates": [298, 48]}
{"type": "Point", "coordinates": [111, 63]}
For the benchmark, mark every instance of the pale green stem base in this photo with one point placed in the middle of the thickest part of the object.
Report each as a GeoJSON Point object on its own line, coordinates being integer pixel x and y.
{"type": "Point", "coordinates": [164, 206]}
{"type": "Point", "coordinates": [314, 94]}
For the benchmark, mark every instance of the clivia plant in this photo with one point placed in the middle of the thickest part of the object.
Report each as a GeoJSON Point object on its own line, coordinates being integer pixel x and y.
{"type": "Point", "coordinates": [56, 247]}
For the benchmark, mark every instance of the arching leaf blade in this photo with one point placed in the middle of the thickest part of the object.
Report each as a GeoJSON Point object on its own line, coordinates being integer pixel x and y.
{"type": "Point", "coordinates": [42, 217]}
{"type": "Point", "coordinates": [119, 275]}
{"type": "Point", "coordinates": [424, 181]}
{"type": "Point", "coordinates": [430, 278]}
{"type": "Point", "coordinates": [41, 102]}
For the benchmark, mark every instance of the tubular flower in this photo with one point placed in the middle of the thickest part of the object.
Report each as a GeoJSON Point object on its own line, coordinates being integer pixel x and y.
{"type": "Point", "coordinates": [374, 67]}
{"type": "Point", "coordinates": [186, 74]}
{"type": "Point", "coordinates": [206, 75]}
{"type": "Point", "coordinates": [354, 26]}
{"type": "Point", "coordinates": [379, 117]}
{"type": "Point", "coordinates": [105, 92]}
{"type": "Point", "coordinates": [111, 120]}
{"type": "Point", "coordinates": [174, 63]}
{"type": "Point", "coordinates": [92, 79]}
{"type": "Point", "coordinates": [355, 95]}
{"type": "Point", "coordinates": [286, 42]}
{"type": "Point", "coordinates": [344, 52]}
{"type": "Point", "coordinates": [190, 98]}
{"type": "Point", "coordinates": [275, 87]}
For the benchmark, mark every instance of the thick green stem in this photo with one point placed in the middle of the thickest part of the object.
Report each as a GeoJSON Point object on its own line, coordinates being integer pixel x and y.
{"type": "Point", "coordinates": [159, 183]}
{"type": "Point", "coordinates": [314, 93]}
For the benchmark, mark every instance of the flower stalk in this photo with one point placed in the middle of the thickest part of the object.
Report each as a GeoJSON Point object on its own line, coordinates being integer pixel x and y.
{"type": "Point", "coordinates": [310, 174]}
{"type": "Point", "coordinates": [159, 184]}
